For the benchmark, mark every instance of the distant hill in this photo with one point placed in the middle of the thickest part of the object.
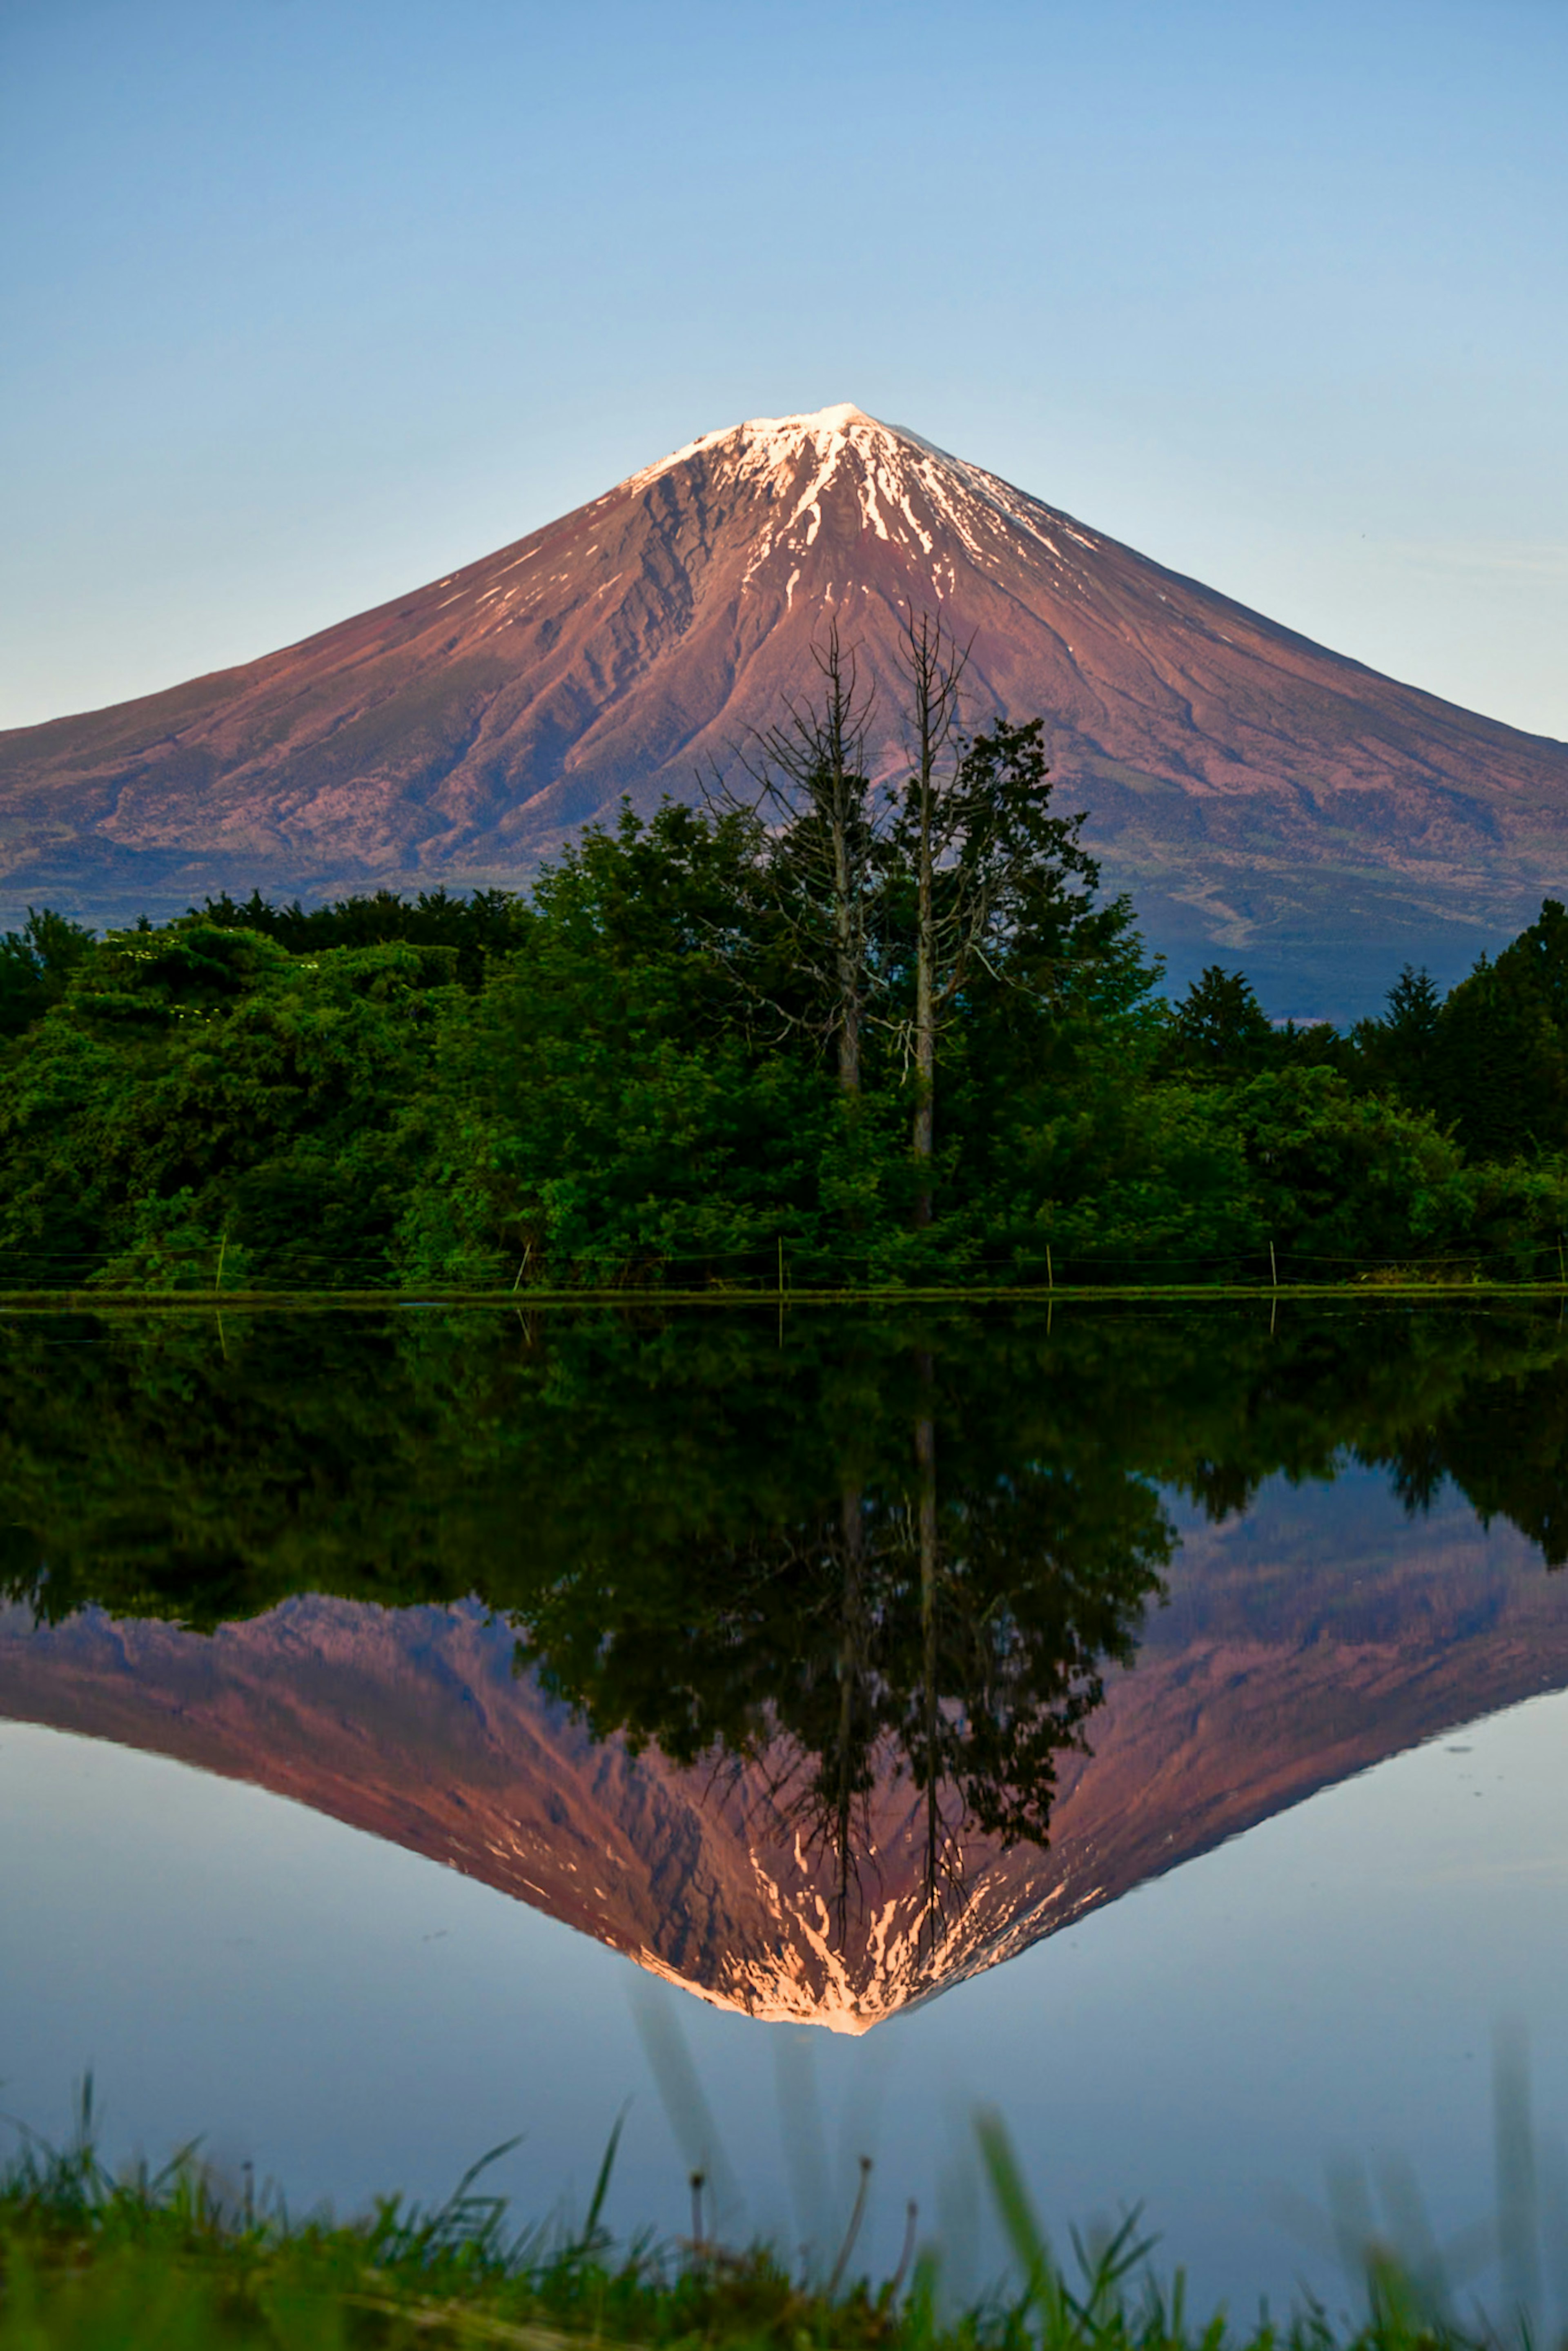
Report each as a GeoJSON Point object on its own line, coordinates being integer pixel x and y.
{"type": "Point", "coordinates": [1266, 801]}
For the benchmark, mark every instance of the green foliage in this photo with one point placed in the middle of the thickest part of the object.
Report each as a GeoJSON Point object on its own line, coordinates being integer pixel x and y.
{"type": "Point", "coordinates": [1338, 1175]}
{"type": "Point", "coordinates": [634, 1079]}
{"type": "Point", "coordinates": [478, 927]}
{"type": "Point", "coordinates": [1014, 881]}
{"type": "Point", "coordinates": [613, 1105]}
{"type": "Point", "coordinates": [1499, 1069]}
{"type": "Point", "coordinates": [1219, 1029]}
{"type": "Point", "coordinates": [202, 1096]}
{"type": "Point", "coordinates": [1410, 1032]}
{"type": "Point", "coordinates": [36, 963]}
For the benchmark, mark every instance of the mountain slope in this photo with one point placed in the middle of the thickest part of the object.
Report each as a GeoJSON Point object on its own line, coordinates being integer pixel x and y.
{"type": "Point", "coordinates": [1260, 796]}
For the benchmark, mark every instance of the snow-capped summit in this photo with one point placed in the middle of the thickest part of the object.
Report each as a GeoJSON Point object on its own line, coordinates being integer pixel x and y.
{"type": "Point", "coordinates": [892, 472]}
{"type": "Point", "coordinates": [775, 439]}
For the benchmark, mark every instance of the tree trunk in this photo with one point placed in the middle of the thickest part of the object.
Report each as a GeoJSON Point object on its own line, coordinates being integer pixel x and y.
{"type": "Point", "coordinates": [925, 1026]}
{"type": "Point", "coordinates": [847, 924]}
{"type": "Point", "coordinates": [929, 711]}
{"type": "Point", "coordinates": [851, 1672]}
{"type": "Point", "coordinates": [925, 1506]}
{"type": "Point", "coordinates": [810, 775]}
{"type": "Point", "coordinates": [935, 666]}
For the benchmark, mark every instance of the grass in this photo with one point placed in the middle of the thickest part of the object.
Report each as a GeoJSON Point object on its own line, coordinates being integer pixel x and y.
{"type": "Point", "coordinates": [179, 2262]}
{"type": "Point", "coordinates": [1392, 1286]}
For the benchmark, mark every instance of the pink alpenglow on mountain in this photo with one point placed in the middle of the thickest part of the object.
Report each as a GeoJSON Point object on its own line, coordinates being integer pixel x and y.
{"type": "Point", "coordinates": [1264, 799]}
{"type": "Point", "coordinates": [412, 1724]}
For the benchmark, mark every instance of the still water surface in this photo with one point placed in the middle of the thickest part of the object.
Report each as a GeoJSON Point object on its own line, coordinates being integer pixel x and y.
{"type": "Point", "coordinates": [418, 1730]}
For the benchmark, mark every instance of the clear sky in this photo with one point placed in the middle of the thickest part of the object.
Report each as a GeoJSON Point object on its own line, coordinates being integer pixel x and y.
{"type": "Point", "coordinates": [303, 302]}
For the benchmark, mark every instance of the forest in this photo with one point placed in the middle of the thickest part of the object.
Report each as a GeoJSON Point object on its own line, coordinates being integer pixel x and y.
{"type": "Point", "coordinates": [824, 1035]}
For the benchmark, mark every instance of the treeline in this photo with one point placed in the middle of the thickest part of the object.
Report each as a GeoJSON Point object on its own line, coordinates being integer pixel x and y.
{"type": "Point", "coordinates": [153, 1464]}
{"type": "Point", "coordinates": [860, 1037]}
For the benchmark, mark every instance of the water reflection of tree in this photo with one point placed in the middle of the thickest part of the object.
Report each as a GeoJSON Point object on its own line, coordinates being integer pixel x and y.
{"type": "Point", "coordinates": [947, 1629]}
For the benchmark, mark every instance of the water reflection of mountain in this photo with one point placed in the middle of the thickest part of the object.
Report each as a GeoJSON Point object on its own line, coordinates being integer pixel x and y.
{"type": "Point", "coordinates": [858, 1650]}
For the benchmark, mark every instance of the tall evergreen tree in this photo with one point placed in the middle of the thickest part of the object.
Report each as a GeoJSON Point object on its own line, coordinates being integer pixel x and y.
{"type": "Point", "coordinates": [1500, 1072]}
{"type": "Point", "coordinates": [1219, 1029]}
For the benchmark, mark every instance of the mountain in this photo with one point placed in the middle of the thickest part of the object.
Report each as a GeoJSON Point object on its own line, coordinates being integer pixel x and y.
{"type": "Point", "coordinates": [1264, 799]}
{"type": "Point", "coordinates": [1278, 1666]}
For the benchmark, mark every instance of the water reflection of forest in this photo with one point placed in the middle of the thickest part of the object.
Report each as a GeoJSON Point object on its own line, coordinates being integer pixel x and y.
{"type": "Point", "coordinates": [844, 1549]}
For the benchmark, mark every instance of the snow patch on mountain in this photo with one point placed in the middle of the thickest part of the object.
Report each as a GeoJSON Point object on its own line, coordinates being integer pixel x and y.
{"type": "Point", "coordinates": [907, 491]}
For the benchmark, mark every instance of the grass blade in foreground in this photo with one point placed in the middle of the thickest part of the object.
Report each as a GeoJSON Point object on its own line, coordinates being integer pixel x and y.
{"type": "Point", "coordinates": [173, 2262]}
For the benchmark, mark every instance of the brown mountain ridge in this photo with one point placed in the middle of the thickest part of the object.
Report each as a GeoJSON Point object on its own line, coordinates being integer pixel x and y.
{"type": "Point", "coordinates": [1264, 799]}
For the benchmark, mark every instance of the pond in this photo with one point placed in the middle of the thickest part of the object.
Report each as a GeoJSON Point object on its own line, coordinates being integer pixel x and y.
{"type": "Point", "coordinates": [425, 1729]}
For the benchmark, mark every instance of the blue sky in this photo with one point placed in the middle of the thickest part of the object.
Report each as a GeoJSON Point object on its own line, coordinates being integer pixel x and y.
{"type": "Point", "coordinates": [307, 301]}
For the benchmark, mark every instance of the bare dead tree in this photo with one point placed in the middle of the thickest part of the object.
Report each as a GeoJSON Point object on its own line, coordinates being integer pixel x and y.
{"type": "Point", "coordinates": [975, 847]}
{"type": "Point", "coordinates": [935, 666]}
{"type": "Point", "coordinates": [811, 793]}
